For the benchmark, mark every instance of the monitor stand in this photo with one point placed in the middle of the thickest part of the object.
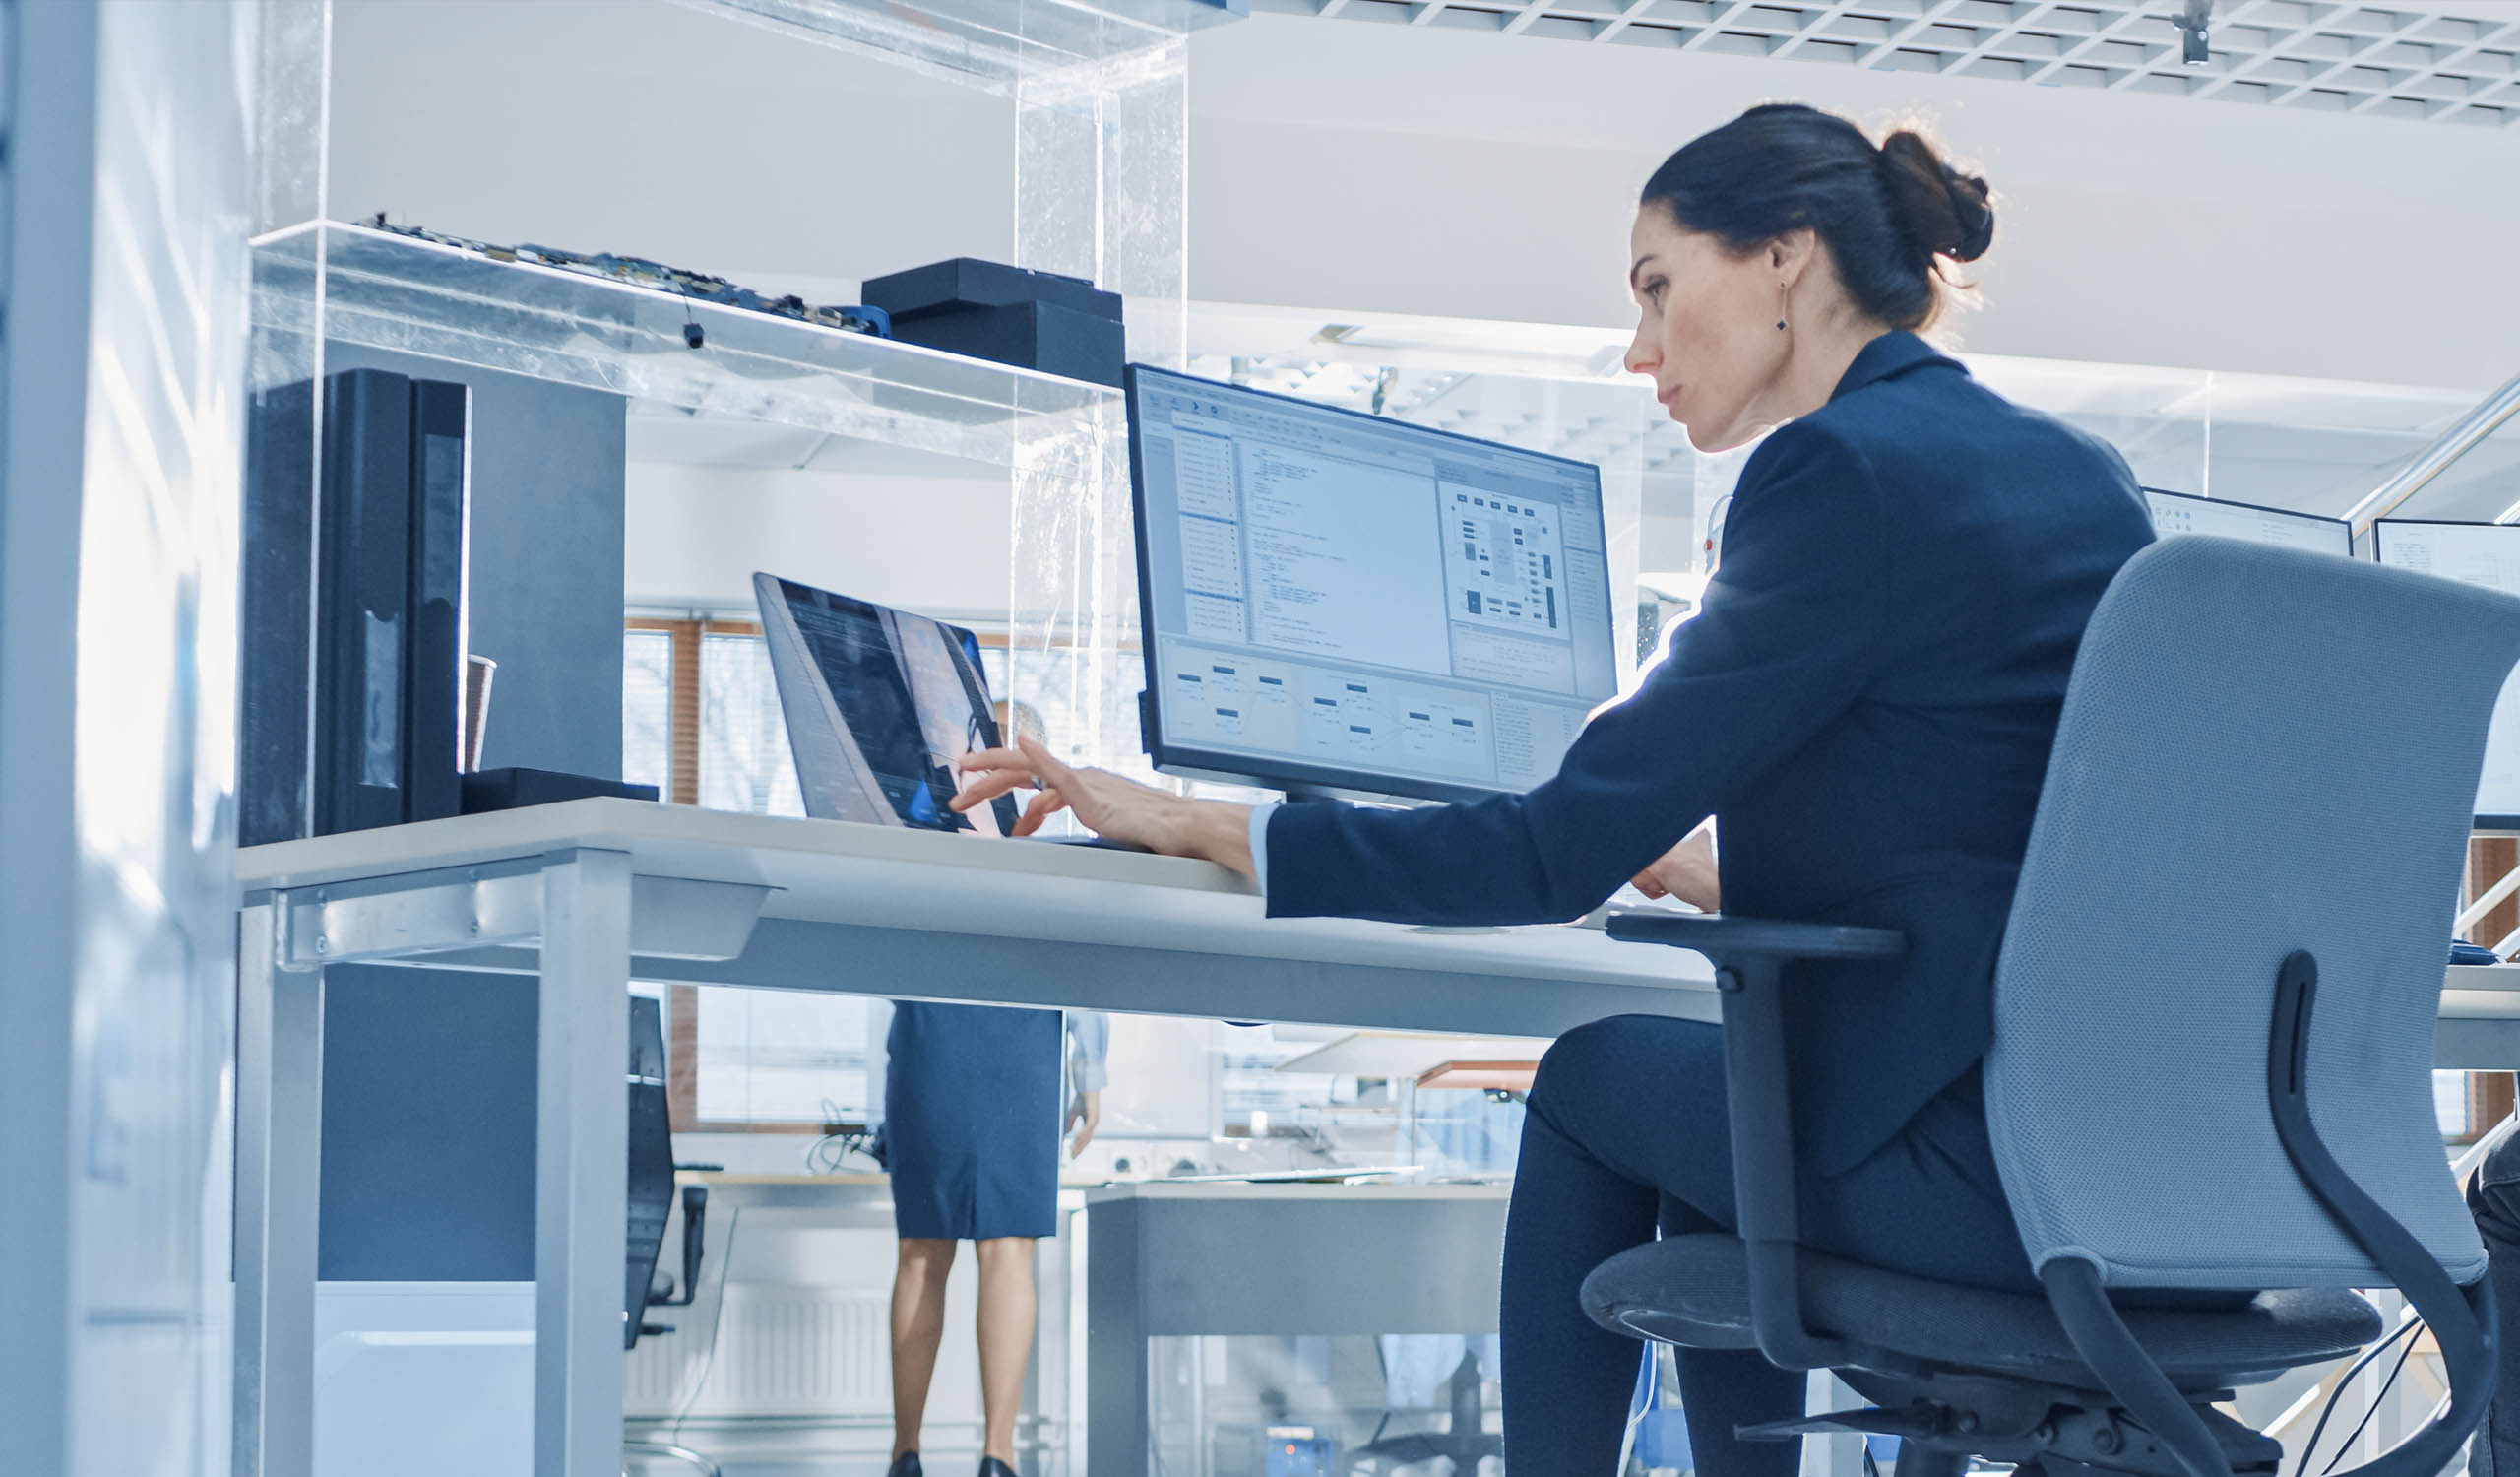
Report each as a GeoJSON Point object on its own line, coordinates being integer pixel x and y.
{"type": "Point", "coordinates": [1308, 794]}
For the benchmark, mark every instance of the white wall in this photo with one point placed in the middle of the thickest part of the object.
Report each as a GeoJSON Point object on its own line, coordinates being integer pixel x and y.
{"type": "Point", "coordinates": [936, 544]}
{"type": "Point", "coordinates": [1452, 172]}
{"type": "Point", "coordinates": [1348, 166]}
{"type": "Point", "coordinates": [653, 130]}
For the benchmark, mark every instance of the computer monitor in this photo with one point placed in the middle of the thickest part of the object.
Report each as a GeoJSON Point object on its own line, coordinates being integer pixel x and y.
{"type": "Point", "coordinates": [2475, 553]}
{"type": "Point", "coordinates": [1334, 602]}
{"type": "Point", "coordinates": [2181, 513]}
{"type": "Point", "coordinates": [879, 704]}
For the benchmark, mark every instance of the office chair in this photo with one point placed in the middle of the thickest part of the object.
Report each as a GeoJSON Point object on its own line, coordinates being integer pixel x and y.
{"type": "Point", "coordinates": [651, 1204]}
{"type": "Point", "coordinates": [1463, 1445]}
{"type": "Point", "coordinates": [2211, 1067]}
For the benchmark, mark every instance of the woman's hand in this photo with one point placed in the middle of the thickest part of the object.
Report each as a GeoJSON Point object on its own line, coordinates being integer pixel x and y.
{"type": "Point", "coordinates": [1083, 1116]}
{"type": "Point", "coordinates": [1687, 872]}
{"type": "Point", "coordinates": [1108, 805]}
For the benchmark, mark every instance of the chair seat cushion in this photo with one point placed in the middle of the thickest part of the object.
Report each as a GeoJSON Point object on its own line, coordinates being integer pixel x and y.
{"type": "Point", "coordinates": [1694, 1290]}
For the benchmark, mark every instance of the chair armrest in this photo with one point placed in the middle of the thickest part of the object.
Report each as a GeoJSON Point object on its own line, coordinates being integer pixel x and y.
{"type": "Point", "coordinates": [1717, 935]}
{"type": "Point", "coordinates": [1749, 956]}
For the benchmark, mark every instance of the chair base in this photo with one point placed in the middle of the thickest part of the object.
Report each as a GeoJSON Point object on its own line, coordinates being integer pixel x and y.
{"type": "Point", "coordinates": [2037, 1427]}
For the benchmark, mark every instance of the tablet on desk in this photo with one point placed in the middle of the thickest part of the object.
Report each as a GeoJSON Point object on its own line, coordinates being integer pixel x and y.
{"type": "Point", "coordinates": [879, 704]}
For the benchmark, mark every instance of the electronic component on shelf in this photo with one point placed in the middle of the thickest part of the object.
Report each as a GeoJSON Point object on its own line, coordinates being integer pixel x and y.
{"type": "Point", "coordinates": [1007, 315]}
{"type": "Point", "coordinates": [965, 282]}
{"type": "Point", "coordinates": [639, 272]}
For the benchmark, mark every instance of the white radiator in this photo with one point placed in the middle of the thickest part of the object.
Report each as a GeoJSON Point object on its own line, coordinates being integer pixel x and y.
{"type": "Point", "coordinates": [785, 1350]}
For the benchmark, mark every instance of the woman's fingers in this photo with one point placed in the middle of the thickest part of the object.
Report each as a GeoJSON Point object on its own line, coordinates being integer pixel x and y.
{"type": "Point", "coordinates": [971, 759]}
{"type": "Point", "coordinates": [988, 788]}
{"type": "Point", "coordinates": [1040, 807]}
{"type": "Point", "coordinates": [1034, 754]}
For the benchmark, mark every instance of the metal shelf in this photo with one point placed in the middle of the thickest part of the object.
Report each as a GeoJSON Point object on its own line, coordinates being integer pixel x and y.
{"type": "Point", "coordinates": [391, 292]}
{"type": "Point", "coordinates": [992, 44]}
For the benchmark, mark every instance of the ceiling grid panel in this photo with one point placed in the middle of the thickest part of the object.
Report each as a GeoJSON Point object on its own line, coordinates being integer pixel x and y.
{"type": "Point", "coordinates": [2456, 63]}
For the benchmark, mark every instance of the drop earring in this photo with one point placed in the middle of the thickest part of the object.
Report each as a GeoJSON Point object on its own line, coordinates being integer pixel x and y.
{"type": "Point", "coordinates": [1780, 307]}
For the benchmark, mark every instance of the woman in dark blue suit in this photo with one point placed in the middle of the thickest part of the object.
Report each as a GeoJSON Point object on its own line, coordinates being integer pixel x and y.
{"type": "Point", "coordinates": [1865, 703]}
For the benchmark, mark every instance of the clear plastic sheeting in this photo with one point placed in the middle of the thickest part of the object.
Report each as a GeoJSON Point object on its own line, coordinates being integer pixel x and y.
{"type": "Point", "coordinates": [1252, 1407]}
{"type": "Point", "coordinates": [1101, 155]}
{"type": "Point", "coordinates": [292, 110]}
{"type": "Point", "coordinates": [1073, 639]}
{"type": "Point", "coordinates": [994, 44]}
{"type": "Point", "coordinates": [118, 765]}
{"type": "Point", "coordinates": [396, 292]}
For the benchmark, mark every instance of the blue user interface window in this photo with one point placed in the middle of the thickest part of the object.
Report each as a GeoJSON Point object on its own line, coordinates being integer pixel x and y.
{"type": "Point", "coordinates": [1364, 601]}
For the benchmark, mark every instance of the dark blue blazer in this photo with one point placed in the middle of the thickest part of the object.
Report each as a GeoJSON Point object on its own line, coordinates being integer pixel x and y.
{"type": "Point", "coordinates": [1865, 703]}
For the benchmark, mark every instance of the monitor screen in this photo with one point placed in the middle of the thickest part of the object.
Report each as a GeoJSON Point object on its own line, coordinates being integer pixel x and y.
{"type": "Point", "coordinates": [879, 704]}
{"type": "Point", "coordinates": [1337, 600]}
{"type": "Point", "coordinates": [2180, 513]}
{"type": "Point", "coordinates": [2475, 553]}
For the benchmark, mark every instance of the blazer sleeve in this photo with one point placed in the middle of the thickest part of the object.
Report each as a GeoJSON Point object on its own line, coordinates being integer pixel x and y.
{"type": "Point", "coordinates": [1790, 632]}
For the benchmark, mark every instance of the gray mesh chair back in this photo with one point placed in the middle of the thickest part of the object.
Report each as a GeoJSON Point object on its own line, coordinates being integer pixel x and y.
{"type": "Point", "coordinates": [2262, 751]}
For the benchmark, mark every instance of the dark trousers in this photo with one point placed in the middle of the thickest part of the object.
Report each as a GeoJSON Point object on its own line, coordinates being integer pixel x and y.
{"type": "Point", "coordinates": [2494, 1196]}
{"type": "Point", "coordinates": [1628, 1131]}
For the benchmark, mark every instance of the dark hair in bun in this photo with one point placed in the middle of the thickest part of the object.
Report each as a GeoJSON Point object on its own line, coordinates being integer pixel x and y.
{"type": "Point", "coordinates": [1890, 216]}
{"type": "Point", "coordinates": [1940, 206]}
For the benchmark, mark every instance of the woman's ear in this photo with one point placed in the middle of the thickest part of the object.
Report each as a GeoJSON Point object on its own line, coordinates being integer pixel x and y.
{"type": "Point", "coordinates": [1789, 255]}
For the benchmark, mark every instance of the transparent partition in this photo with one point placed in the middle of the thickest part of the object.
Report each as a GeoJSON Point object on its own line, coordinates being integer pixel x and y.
{"type": "Point", "coordinates": [2158, 419]}
{"type": "Point", "coordinates": [2480, 484]}
{"type": "Point", "coordinates": [384, 290]}
{"type": "Point", "coordinates": [1263, 1406]}
{"type": "Point", "coordinates": [1100, 103]}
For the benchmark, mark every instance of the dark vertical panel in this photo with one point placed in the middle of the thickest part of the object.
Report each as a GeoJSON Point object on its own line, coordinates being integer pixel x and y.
{"type": "Point", "coordinates": [428, 1101]}
{"type": "Point", "coordinates": [432, 724]}
{"type": "Point", "coordinates": [428, 1125]}
{"type": "Point", "coordinates": [364, 578]}
{"type": "Point", "coordinates": [276, 654]}
{"type": "Point", "coordinates": [546, 593]}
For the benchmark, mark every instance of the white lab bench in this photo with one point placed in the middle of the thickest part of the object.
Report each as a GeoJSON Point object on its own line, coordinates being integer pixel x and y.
{"type": "Point", "coordinates": [584, 896]}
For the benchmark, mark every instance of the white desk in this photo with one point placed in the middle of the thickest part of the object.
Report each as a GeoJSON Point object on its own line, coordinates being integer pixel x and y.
{"type": "Point", "coordinates": [584, 896]}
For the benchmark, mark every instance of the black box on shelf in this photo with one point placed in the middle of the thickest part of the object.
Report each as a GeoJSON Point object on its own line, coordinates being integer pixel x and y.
{"type": "Point", "coordinates": [970, 283]}
{"type": "Point", "coordinates": [1007, 315]}
{"type": "Point", "coordinates": [1028, 336]}
{"type": "Point", "coordinates": [510, 789]}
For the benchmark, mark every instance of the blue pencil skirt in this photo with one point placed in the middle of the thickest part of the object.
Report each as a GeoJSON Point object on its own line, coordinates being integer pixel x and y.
{"type": "Point", "coordinates": [971, 1121]}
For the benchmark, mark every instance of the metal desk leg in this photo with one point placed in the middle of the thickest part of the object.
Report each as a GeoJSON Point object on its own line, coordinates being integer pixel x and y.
{"type": "Point", "coordinates": [279, 1107]}
{"type": "Point", "coordinates": [1119, 1412]}
{"type": "Point", "coordinates": [581, 1176]}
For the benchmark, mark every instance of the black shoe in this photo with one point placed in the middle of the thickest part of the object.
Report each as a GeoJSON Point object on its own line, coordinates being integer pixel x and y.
{"type": "Point", "coordinates": [905, 1465]}
{"type": "Point", "coordinates": [990, 1466]}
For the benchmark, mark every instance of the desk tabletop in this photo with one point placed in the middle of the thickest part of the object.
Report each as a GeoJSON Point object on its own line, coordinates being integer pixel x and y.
{"type": "Point", "coordinates": [830, 872]}
{"type": "Point", "coordinates": [894, 881]}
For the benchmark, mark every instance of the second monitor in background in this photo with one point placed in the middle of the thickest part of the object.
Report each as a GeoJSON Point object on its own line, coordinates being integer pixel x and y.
{"type": "Point", "coordinates": [2474, 554]}
{"type": "Point", "coordinates": [2181, 513]}
{"type": "Point", "coordinates": [1338, 602]}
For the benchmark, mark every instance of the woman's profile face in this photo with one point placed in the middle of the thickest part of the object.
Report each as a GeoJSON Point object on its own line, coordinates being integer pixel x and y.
{"type": "Point", "coordinates": [1706, 328]}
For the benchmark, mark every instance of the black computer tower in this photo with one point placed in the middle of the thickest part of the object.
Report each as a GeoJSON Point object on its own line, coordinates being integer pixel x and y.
{"type": "Point", "coordinates": [352, 651]}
